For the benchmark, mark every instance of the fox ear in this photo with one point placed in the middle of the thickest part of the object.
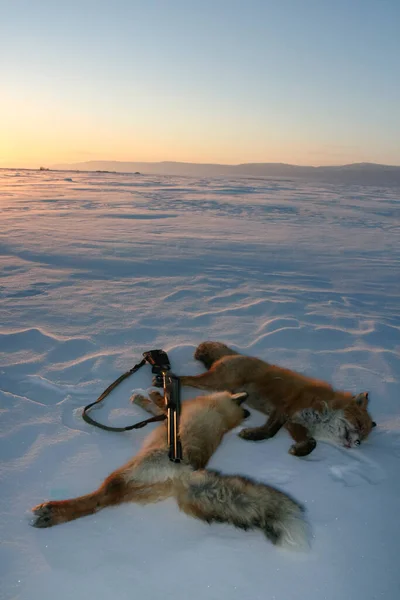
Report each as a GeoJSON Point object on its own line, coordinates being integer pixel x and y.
{"type": "Point", "coordinates": [239, 398]}
{"type": "Point", "coordinates": [362, 399]}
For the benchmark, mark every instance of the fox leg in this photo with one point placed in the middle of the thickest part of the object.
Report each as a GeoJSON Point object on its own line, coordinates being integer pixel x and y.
{"type": "Point", "coordinates": [158, 399]}
{"type": "Point", "coordinates": [114, 490]}
{"type": "Point", "coordinates": [211, 380]}
{"type": "Point", "coordinates": [153, 405]}
{"type": "Point", "coordinates": [216, 379]}
{"type": "Point", "coordinates": [120, 486]}
{"type": "Point", "coordinates": [305, 444]}
{"type": "Point", "coordinates": [273, 424]}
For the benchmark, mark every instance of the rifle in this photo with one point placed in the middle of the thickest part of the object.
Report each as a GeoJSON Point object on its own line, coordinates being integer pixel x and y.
{"type": "Point", "coordinates": [161, 368]}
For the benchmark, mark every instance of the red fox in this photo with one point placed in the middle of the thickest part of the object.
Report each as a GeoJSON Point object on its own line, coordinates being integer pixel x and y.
{"type": "Point", "coordinates": [308, 408]}
{"type": "Point", "coordinates": [151, 476]}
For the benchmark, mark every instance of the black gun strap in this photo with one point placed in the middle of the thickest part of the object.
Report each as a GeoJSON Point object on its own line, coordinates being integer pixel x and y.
{"type": "Point", "coordinates": [110, 388]}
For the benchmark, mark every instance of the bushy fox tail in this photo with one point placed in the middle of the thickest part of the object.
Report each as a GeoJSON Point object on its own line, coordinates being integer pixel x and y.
{"type": "Point", "coordinates": [209, 352]}
{"type": "Point", "coordinates": [246, 504]}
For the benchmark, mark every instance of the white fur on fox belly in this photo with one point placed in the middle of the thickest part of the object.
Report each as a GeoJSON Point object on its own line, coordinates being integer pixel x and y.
{"type": "Point", "coordinates": [325, 425]}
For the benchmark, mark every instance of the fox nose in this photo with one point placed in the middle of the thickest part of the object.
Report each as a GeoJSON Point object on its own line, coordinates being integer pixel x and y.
{"type": "Point", "coordinates": [357, 443]}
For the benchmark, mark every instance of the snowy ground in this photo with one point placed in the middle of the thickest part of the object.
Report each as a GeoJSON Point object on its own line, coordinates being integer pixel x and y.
{"type": "Point", "coordinates": [97, 268]}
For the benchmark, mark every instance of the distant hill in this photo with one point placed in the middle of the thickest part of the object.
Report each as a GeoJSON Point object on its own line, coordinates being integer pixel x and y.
{"type": "Point", "coordinates": [356, 173]}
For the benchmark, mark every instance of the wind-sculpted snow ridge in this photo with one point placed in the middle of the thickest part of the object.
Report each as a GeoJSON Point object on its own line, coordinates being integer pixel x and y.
{"type": "Point", "coordinates": [95, 269]}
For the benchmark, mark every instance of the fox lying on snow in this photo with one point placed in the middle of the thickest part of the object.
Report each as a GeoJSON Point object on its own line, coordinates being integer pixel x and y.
{"type": "Point", "coordinates": [151, 476]}
{"type": "Point", "coordinates": [308, 408]}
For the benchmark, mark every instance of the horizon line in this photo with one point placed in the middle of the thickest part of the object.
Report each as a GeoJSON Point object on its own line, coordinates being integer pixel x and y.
{"type": "Point", "coordinates": [239, 164]}
{"type": "Point", "coordinates": [56, 166]}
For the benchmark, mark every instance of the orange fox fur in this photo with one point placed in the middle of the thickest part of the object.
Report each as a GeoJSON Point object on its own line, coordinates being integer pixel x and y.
{"type": "Point", "coordinates": [208, 495]}
{"type": "Point", "coordinates": [309, 409]}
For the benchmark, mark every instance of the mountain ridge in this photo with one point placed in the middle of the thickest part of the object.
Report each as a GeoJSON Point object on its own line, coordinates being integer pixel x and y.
{"type": "Point", "coordinates": [363, 172]}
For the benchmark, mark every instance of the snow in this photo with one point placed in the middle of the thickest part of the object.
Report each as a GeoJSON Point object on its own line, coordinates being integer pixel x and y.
{"type": "Point", "coordinates": [95, 269]}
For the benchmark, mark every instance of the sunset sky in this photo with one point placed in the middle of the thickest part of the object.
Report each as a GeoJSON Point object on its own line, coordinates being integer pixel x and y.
{"type": "Point", "coordinates": [298, 81]}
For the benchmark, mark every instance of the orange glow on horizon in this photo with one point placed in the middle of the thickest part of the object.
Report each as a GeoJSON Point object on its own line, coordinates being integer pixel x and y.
{"type": "Point", "coordinates": [48, 131]}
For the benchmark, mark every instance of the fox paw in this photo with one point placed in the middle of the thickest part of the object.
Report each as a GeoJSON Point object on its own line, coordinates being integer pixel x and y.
{"type": "Point", "coordinates": [303, 448]}
{"type": "Point", "coordinates": [253, 434]}
{"type": "Point", "coordinates": [151, 404]}
{"type": "Point", "coordinates": [44, 515]}
{"type": "Point", "coordinates": [140, 400]}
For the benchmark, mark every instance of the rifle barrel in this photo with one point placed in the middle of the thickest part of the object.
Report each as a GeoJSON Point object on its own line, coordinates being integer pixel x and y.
{"type": "Point", "coordinates": [173, 405]}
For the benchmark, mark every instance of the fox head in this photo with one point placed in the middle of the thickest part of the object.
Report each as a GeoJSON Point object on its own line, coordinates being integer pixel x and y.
{"type": "Point", "coordinates": [230, 406]}
{"type": "Point", "coordinates": [239, 398]}
{"type": "Point", "coordinates": [357, 421]}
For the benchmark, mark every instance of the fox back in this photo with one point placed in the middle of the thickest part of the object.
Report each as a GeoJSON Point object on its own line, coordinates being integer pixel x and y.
{"type": "Point", "coordinates": [308, 407]}
{"type": "Point", "coordinates": [203, 423]}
